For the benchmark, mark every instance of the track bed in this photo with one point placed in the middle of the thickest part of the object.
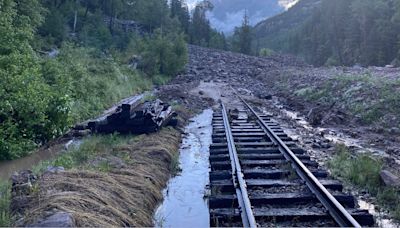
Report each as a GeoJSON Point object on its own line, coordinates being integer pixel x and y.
{"type": "Point", "coordinates": [255, 182]}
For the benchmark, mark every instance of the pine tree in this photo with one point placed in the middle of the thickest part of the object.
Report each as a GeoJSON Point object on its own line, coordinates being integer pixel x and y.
{"type": "Point", "coordinates": [242, 37]}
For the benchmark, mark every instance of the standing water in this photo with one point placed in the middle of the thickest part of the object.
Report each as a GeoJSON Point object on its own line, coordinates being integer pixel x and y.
{"type": "Point", "coordinates": [184, 198]}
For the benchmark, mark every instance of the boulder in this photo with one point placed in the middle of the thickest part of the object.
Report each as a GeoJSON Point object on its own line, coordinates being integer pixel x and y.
{"type": "Point", "coordinates": [55, 169]}
{"type": "Point", "coordinates": [59, 219]}
{"type": "Point", "coordinates": [22, 182]}
{"type": "Point", "coordinates": [389, 179]}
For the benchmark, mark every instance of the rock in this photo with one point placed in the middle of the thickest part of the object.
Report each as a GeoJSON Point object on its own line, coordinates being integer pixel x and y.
{"type": "Point", "coordinates": [315, 116]}
{"type": "Point", "coordinates": [316, 146]}
{"type": "Point", "coordinates": [267, 97]}
{"type": "Point", "coordinates": [394, 130]}
{"type": "Point", "coordinates": [22, 182]}
{"type": "Point", "coordinates": [325, 145]}
{"type": "Point", "coordinates": [22, 190]}
{"type": "Point", "coordinates": [389, 179]}
{"type": "Point", "coordinates": [55, 169]}
{"type": "Point", "coordinates": [59, 219]}
{"type": "Point", "coordinates": [201, 92]}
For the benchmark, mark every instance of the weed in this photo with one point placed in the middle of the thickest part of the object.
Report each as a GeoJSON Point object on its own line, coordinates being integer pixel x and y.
{"type": "Point", "coordinates": [174, 165]}
{"type": "Point", "coordinates": [149, 97]}
{"type": "Point", "coordinates": [5, 195]}
{"type": "Point", "coordinates": [104, 166]}
{"type": "Point", "coordinates": [364, 172]}
{"type": "Point", "coordinates": [90, 147]}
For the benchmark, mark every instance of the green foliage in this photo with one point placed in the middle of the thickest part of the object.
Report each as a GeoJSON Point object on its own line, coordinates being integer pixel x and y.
{"type": "Point", "coordinates": [5, 199]}
{"type": "Point", "coordinates": [265, 52]}
{"type": "Point", "coordinates": [200, 31]}
{"type": "Point", "coordinates": [181, 11]}
{"type": "Point", "coordinates": [364, 172]}
{"type": "Point", "coordinates": [341, 32]}
{"type": "Point", "coordinates": [95, 81]}
{"type": "Point", "coordinates": [364, 95]}
{"type": "Point", "coordinates": [242, 38]}
{"type": "Point", "coordinates": [90, 148]}
{"type": "Point", "coordinates": [42, 96]}
{"type": "Point", "coordinates": [163, 53]}
{"type": "Point", "coordinates": [30, 109]}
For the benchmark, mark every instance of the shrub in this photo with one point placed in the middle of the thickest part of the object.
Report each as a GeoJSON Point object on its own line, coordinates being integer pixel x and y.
{"type": "Point", "coordinates": [163, 53]}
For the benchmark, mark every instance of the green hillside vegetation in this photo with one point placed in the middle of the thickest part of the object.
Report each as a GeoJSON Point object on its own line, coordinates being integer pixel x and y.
{"type": "Point", "coordinates": [63, 61]}
{"type": "Point", "coordinates": [341, 32]}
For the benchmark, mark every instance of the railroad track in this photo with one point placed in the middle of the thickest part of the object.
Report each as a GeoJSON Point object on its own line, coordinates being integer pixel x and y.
{"type": "Point", "coordinates": [260, 177]}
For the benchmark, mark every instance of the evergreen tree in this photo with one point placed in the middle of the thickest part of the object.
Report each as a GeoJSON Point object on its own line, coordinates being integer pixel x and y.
{"type": "Point", "coordinates": [243, 37]}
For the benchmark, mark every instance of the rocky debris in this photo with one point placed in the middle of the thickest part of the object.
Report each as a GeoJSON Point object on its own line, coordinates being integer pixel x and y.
{"type": "Point", "coordinates": [59, 219]}
{"type": "Point", "coordinates": [389, 179]}
{"type": "Point", "coordinates": [135, 118]}
{"type": "Point", "coordinates": [54, 169]}
{"type": "Point", "coordinates": [22, 182]}
{"type": "Point", "coordinates": [23, 187]}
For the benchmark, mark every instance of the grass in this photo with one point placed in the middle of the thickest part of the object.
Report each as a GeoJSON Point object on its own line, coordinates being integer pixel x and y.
{"type": "Point", "coordinates": [128, 195]}
{"type": "Point", "coordinates": [5, 195]}
{"type": "Point", "coordinates": [363, 171]}
{"type": "Point", "coordinates": [90, 147]}
{"type": "Point", "coordinates": [363, 95]}
{"type": "Point", "coordinates": [174, 165]}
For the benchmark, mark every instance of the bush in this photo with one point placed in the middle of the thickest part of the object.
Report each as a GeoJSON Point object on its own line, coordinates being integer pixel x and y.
{"type": "Point", "coordinates": [265, 52]}
{"type": "Point", "coordinates": [95, 81]}
{"type": "Point", "coordinates": [163, 54]}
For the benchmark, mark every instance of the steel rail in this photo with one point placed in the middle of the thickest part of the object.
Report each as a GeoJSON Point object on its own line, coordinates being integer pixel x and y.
{"type": "Point", "coordinates": [246, 210]}
{"type": "Point", "coordinates": [336, 210]}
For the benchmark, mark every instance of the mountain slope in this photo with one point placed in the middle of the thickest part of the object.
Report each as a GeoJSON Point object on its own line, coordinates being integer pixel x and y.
{"type": "Point", "coordinates": [274, 33]}
{"type": "Point", "coordinates": [340, 32]}
{"type": "Point", "coordinates": [229, 13]}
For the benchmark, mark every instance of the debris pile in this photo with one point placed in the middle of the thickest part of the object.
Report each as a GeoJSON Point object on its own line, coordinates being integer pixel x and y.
{"type": "Point", "coordinates": [136, 118]}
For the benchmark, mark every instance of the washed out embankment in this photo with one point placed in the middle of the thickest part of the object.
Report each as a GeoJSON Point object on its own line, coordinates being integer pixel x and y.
{"type": "Point", "coordinates": [120, 184]}
{"type": "Point", "coordinates": [123, 196]}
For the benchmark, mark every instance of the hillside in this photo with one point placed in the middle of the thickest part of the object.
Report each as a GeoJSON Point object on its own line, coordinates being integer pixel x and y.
{"type": "Point", "coordinates": [339, 32]}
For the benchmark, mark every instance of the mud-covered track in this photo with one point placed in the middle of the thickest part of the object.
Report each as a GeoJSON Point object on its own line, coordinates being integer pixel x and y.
{"type": "Point", "coordinates": [260, 177]}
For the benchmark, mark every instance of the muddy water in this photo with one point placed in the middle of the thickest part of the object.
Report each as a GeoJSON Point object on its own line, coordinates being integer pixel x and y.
{"type": "Point", "coordinates": [184, 198]}
{"type": "Point", "coordinates": [7, 168]}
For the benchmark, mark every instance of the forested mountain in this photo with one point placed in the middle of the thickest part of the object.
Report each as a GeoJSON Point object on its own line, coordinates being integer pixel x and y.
{"type": "Point", "coordinates": [340, 32]}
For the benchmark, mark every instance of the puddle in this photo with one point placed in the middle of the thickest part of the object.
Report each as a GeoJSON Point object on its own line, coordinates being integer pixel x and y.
{"type": "Point", "coordinates": [380, 218]}
{"type": "Point", "coordinates": [184, 198]}
{"type": "Point", "coordinates": [7, 168]}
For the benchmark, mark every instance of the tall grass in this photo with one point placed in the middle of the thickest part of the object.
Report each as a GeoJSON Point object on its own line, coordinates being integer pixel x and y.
{"type": "Point", "coordinates": [5, 195]}
{"type": "Point", "coordinates": [90, 147]}
{"type": "Point", "coordinates": [363, 171]}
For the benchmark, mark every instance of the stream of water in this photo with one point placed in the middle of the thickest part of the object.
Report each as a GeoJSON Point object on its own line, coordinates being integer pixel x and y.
{"type": "Point", "coordinates": [184, 198]}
